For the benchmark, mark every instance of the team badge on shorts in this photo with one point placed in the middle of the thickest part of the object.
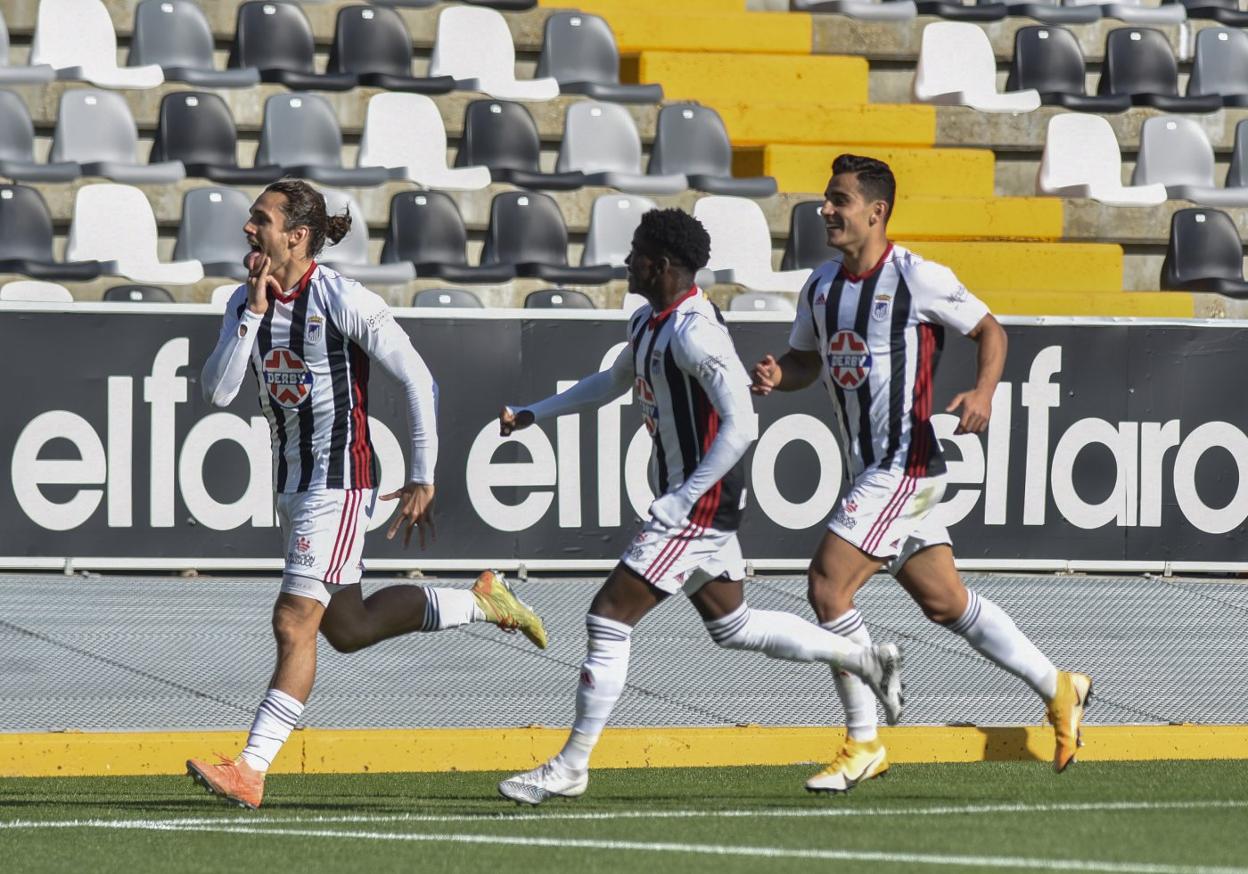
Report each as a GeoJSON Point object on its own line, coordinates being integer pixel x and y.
{"type": "Point", "coordinates": [849, 359]}
{"type": "Point", "coordinates": [286, 378]}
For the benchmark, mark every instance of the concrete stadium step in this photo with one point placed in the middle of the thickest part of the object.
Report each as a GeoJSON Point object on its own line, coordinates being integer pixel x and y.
{"type": "Point", "coordinates": [598, 7]}
{"type": "Point", "coordinates": [676, 28]}
{"type": "Point", "coordinates": [966, 172]}
{"type": "Point", "coordinates": [717, 77]}
{"type": "Point", "coordinates": [971, 218]}
{"type": "Point", "coordinates": [760, 124]}
{"type": "Point", "coordinates": [984, 267]}
{"type": "Point", "coordinates": [1138, 304]}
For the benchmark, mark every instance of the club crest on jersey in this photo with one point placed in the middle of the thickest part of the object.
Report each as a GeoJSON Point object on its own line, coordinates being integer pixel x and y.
{"type": "Point", "coordinates": [286, 378]}
{"type": "Point", "coordinates": [316, 327]}
{"type": "Point", "coordinates": [649, 408]}
{"type": "Point", "coordinates": [849, 359]}
{"type": "Point", "coordinates": [881, 307]}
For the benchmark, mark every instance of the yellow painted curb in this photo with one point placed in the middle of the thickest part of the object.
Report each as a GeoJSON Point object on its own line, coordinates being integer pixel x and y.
{"type": "Point", "coordinates": [320, 751]}
{"type": "Point", "coordinates": [983, 267]}
{"type": "Point", "coordinates": [886, 124]}
{"type": "Point", "coordinates": [676, 29]}
{"type": "Point", "coordinates": [711, 77]}
{"type": "Point", "coordinates": [922, 170]}
{"type": "Point", "coordinates": [1139, 304]}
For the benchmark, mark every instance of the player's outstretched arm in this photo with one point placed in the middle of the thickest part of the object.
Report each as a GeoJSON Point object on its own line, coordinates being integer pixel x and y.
{"type": "Point", "coordinates": [589, 393]}
{"type": "Point", "coordinates": [976, 405]}
{"type": "Point", "coordinates": [795, 370]}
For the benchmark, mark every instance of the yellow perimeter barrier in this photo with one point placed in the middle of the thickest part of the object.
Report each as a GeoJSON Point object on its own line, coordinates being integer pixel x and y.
{"type": "Point", "coordinates": [323, 751]}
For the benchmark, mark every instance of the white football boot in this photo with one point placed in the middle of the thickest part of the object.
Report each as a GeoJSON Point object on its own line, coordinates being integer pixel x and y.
{"type": "Point", "coordinates": [882, 672]}
{"type": "Point", "coordinates": [547, 781]}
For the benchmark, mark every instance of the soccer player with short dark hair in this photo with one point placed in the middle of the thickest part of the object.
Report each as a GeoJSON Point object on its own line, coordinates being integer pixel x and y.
{"type": "Point", "coordinates": [694, 395]}
{"type": "Point", "coordinates": [870, 325]}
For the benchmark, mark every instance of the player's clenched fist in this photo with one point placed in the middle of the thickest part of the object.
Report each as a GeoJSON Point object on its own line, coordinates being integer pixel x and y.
{"type": "Point", "coordinates": [509, 420]}
{"type": "Point", "coordinates": [765, 375]}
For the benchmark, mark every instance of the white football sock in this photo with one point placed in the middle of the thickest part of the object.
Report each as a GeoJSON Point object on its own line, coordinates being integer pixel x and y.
{"type": "Point", "coordinates": [275, 719]}
{"type": "Point", "coordinates": [857, 698]}
{"type": "Point", "coordinates": [784, 636]}
{"type": "Point", "coordinates": [603, 675]}
{"type": "Point", "coordinates": [450, 608]}
{"type": "Point", "coordinates": [993, 634]}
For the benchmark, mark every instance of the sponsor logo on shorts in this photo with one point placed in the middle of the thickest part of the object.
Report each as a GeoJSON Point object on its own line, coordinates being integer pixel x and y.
{"type": "Point", "coordinates": [303, 559]}
{"type": "Point", "coordinates": [849, 359]}
{"type": "Point", "coordinates": [843, 519]}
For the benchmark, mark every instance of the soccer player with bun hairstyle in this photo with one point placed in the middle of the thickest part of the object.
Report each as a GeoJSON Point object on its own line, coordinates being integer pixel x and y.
{"type": "Point", "coordinates": [870, 325]}
{"type": "Point", "coordinates": [309, 334]}
{"type": "Point", "coordinates": [694, 395]}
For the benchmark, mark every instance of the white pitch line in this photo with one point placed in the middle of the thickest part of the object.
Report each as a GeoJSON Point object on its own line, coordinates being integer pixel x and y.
{"type": "Point", "coordinates": [992, 862]}
{"type": "Point", "coordinates": [606, 816]}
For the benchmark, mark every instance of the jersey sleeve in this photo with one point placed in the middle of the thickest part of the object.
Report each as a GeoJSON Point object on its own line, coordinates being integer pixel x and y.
{"type": "Point", "coordinates": [939, 297]}
{"type": "Point", "coordinates": [802, 335]}
{"type": "Point", "coordinates": [223, 372]}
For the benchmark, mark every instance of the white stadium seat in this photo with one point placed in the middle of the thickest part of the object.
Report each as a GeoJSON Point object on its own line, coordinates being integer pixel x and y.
{"type": "Point", "coordinates": [19, 74]}
{"type": "Point", "coordinates": [474, 46]}
{"type": "Point", "coordinates": [77, 39]}
{"type": "Point", "coordinates": [114, 223]}
{"type": "Point", "coordinates": [35, 291]}
{"type": "Point", "coordinates": [1081, 159]}
{"type": "Point", "coordinates": [405, 132]}
{"type": "Point", "coordinates": [957, 67]}
{"type": "Point", "coordinates": [221, 295]}
{"type": "Point", "coordinates": [741, 245]}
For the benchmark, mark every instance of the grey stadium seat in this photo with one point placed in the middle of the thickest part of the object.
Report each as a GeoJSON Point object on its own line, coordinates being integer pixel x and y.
{"type": "Point", "coordinates": [558, 299]}
{"type": "Point", "coordinates": [211, 231]}
{"type": "Point", "coordinates": [807, 245]}
{"type": "Point", "coordinates": [612, 221]}
{"type": "Point", "coordinates": [446, 298]}
{"type": "Point", "coordinates": [373, 44]}
{"type": "Point", "coordinates": [1237, 173]}
{"type": "Point", "coordinates": [691, 139]}
{"type": "Point", "coordinates": [1136, 12]}
{"type": "Point", "coordinates": [954, 10]}
{"type": "Point", "coordinates": [17, 146]}
{"type": "Point", "coordinates": [197, 129]}
{"type": "Point", "coordinates": [579, 51]}
{"type": "Point", "coordinates": [427, 230]}
{"type": "Point", "coordinates": [527, 230]}
{"type": "Point", "coordinates": [21, 74]}
{"type": "Point", "coordinates": [1048, 60]}
{"type": "Point", "coordinates": [275, 37]}
{"type": "Point", "coordinates": [96, 129]}
{"type": "Point", "coordinates": [350, 255]}
{"type": "Point", "coordinates": [26, 239]}
{"type": "Point", "coordinates": [1049, 12]}
{"type": "Point", "coordinates": [1139, 62]}
{"type": "Point", "coordinates": [1222, 11]}
{"type": "Point", "coordinates": [867, 10]}
{"type": "Point", "coordinates": [175, 35]}
{"type": "Point", "coordinates": [1221, 66]}
{"type": "Point", "coordinates": [1175, 152]}
{"type": "Point", "coordinates": [601, 141]}
{"type": "Point", "coordinates": [501, 135]}
{"type": "Point", "coordinates": [138, 294]}
{"type": "Point", "coordinates": [761, 302]}
{"type": "Point", "coordinates": [1204, 254]}
{"type": "Point", "coordinates": [300, 133]}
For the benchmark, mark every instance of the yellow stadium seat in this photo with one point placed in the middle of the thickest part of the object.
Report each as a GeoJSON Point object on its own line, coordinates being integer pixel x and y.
{"type": "Point", "coordinates": [714, 77]}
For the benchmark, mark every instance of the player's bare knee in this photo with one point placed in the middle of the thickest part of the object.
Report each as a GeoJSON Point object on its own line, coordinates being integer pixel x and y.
{"type": "Point", "coordinates": [292, 627]}
{"type": "Point", "coordinates": [344, 639]}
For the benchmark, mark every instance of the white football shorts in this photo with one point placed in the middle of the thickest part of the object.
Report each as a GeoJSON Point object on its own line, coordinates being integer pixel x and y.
{"type": "Point", "coordinates": [683, 559]}
{"type": "Point", "coordinates": [888, 515]}
{"type": "Point", "coordinates": [324, 533]}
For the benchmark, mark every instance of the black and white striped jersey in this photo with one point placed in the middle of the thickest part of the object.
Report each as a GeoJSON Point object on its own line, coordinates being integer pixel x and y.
{"type": "Point", "coordinates": [879, 336]}
{"type": "Point", "coordinates": [310, 354]}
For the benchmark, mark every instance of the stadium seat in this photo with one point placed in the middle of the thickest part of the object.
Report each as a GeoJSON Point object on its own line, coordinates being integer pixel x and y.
{"type": "Point", "coordinates": [1082, 159]}
{"type": "Point", "coordinates": [741, 245]}
{"type": "Point", "coordinates": [175, 35]}
{"type": "Point", "coordinates": [601, 141]}
{"type": "Point", "coordinates": [211, 231]}
{"type": "Point", "coordinates": [867, 10]}
{"type": "Point", "coordinates": [807, 245]}
{"type": "Point", "coordinates": [138, 294]}
{"type": "Point", "coordinates": [77, 39]}
{"type": "Point", "coordinates": [1176, 153]}
{"type": "Point", "coordinates": [505, 5]}
{"type": "Point", "coordinates": [373, 44]}
{"type": "Point", "coordinates": [612, 220]}
{"type": "Point", "coordinates": [691, 140]}
{"type": "Point", "coordinates": [300, 133]}
{"type": "Point", "coordinates": [1050, 12]}
{"type": "Point", "coordinates": [1139, 62]}
{"type": "Point", "coordinates": [558, 299]}
{"type": "Point", "coordinates": [276, 38]}
{"type": "Point", "coordinates": [502, 135]}
{"type": "Point", "coordinates": [1135, 12]}
{"type": "Point", "coordinates": [26, 238]}
{"type": "Point", "coordinates": [761, 302]}
{"type": "Point", "coordinates": [527, 231]}
{"type": "Point", "coordinates": [404, 134]}
{"type": "Point", "coordinates": [35, 291]}
{"type": "Point", "coordinates": [114, 223]}
{"type": "Point", "coordinates": [1222, 11]}
{"type": "Point", "coordinates": [954, 10]}
{"type": "Point", "coordinates": [20, 74]}
{"type": "Point", "coordinates": [1048, 60]}
{"type": "Point", "coordinates": [1237, 173]}
{"type": "Point", "coordinates": [17, 146]}
{"type": "Point", "coordinates": [1204, 254]}
{"type": "Point", "coordinates": [579, 52]}
{"type": "Point", "coordinates": [957, 68]}
{"type": "Point", "coordinates": [427, 230]}
{"type": "Point", "coordinates": [221, 295]}
{"type": "Point", "coordinates": [475, 47]}
{"type": "Point", "coordinates": [409, 4]}
{"type": "Point", "coordinates": [1221, 66]}
{"type": "Point", "coordinates": [446, 298]}
{"type": "Point", "coordinates": [96, 130]}
{"type": "Point", "coordinates": [350, 255]}
{"type": "Point", "coordinates": [196, 129]}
